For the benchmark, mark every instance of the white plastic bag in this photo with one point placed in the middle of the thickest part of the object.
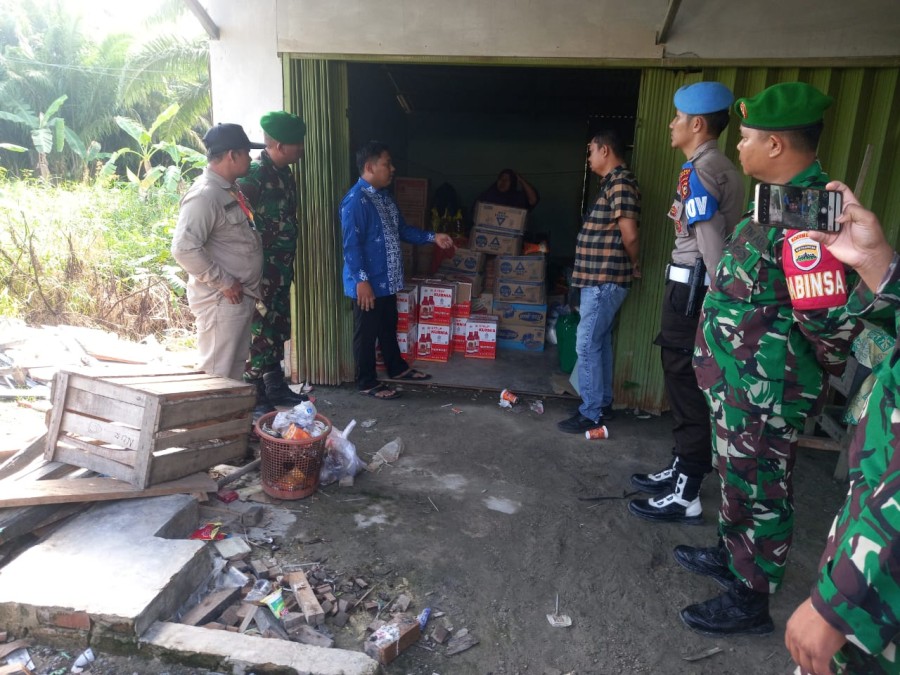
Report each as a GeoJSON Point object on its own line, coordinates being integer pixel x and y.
{"type": "Point", "coordinates": [303, 415]}
{"type": "Point", "coordinates": [389, 453]}
{"type": "Point", "coordinates": [340, 456]}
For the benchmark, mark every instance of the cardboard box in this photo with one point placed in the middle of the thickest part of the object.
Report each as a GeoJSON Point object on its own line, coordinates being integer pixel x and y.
{"type": "Point", "coordinates": [522, 267]}
{"type": "Point", "coordinates": [527, 292]}
{"type": "Point", "coordinates": [464, 291]}
{"type": "Point", "coordinates": [407, 340]}
{"type": "Point", "coordinates": [481, 337]}
{"type": "Point", "coordinates": [473, 281]}
{"type": "Point", "coordinates": [458, 336]}
{"type": "Point", "coordinates": [436, 300]}
{"type": "Point", "coordinates": [465, 260]}
{"type": "Point", "coordinates": [411, 195]}
{"type": "Point", "coordinates": [434, 342]}
{"type": "Point", "coordinates": [521, 314]}
{"type": "Point", "coordinates": [407, 306]}
{"type": "Point", "coordinates": [521, 338]}
{"type": "Point", "coordinates": [503, 218]}
{"type": "Point", "coordinates": [499, 242]}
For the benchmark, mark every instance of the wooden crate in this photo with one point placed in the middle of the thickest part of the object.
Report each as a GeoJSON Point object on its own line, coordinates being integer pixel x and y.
{"type": "Point", "coordinates": [148, 429]}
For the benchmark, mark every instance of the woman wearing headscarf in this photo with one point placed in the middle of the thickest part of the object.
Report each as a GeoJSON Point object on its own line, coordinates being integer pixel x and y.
{"type": "Point", "coordinates": [505, 191]}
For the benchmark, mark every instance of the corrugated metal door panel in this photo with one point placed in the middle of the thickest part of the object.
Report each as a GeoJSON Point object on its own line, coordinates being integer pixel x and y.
{"type": "Point", "coordinates": [866, 111]}
{"type": "Point", "coordinates": [323, 320]}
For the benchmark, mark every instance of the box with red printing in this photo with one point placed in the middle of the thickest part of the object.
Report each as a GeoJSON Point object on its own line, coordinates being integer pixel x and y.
{"type": "Point", "coordinates": [458, 336]}
{"type": "Point", "coordinates": [463, 305]}
{"type": "Point", "coordinates": [379, 357]}
{"type": "Point", "coordinates": [434, 342]}
{"type": "Point", "coordinates": [407, 306]}
{"type": "Point", "coordinates": [407, 340]}
{"type": "Point", "coordinates": [481, 337]}
{"type": "Point", "coordinates": [436, 302]}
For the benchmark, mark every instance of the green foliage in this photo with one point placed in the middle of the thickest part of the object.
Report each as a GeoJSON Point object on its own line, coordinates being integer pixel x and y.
{"type": "Point", "coordinates": [90, 255]}
{"type": "Point", "coordinates": [150, 173]}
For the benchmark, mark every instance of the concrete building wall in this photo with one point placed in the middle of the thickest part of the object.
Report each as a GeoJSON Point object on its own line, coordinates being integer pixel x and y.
{"type": "Point", "coordinates": [592, 29]}
{"type": "Point", "coordinates": [245, 72]}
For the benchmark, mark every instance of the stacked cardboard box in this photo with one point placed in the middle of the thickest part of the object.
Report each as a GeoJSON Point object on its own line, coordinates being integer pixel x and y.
{"type": "Point", "coordinates": [466, 266]}
{"type": "Point", "coordinates": [520, 302]}
{"type": "Point", "coordinates": [498, 229]}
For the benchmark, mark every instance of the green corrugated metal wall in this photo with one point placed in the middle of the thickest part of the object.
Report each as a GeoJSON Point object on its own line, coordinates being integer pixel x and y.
{"type": "Point", "coordinates": [322, 319]}
{"type": "Point", "coordinates": [865, 111]}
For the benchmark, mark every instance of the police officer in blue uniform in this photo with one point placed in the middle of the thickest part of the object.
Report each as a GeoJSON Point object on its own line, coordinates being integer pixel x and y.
{"type": "Point", "coordinates": [709, 200]}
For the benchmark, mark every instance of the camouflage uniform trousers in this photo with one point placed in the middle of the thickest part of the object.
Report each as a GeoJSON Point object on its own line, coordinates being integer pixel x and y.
{"type": "Point", "coordinates": [754, 455]}
{"type": "Point", "coordinates": [271, 324]}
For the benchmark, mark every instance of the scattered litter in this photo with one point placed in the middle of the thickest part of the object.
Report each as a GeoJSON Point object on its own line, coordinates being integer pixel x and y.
{"type": "Point", "coordinates": [341, 463]}
{"type": "Point", "coordinates": [558, 620]}
{"type": "Point", "coordinates": [84, 661]}
{"type": "Point", "coordinates": [446, 405]}
{"type": "Point", "coordinates": [537, 407]}
{"type": "Point", "coordinates": [389, 453]}
{"type": "Point", "coordinates": [432, 503]}
{"type": "Point", "coordinates": [712, 651]}
{"type": "Point", "coordinates": [598, 433]}
{"type": "Point", "coordinates": [461, 642]}
{"type": "Point", "coordinates": [423, 617]}
{"type": "Point", "coordinates": [456, 411]}
{"type": "Point", "coordinates": [20, 657]}
{"type": "Point", "coordinates": [368, 424]}
{"type": "Point", "coordinates": [508, 399]}
{"type": "Point", "coordinates": [209, 532]}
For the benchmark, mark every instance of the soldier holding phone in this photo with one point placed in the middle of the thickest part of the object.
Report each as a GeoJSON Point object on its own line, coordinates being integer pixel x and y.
{"type": "Point", "coordinates": [762, 357]}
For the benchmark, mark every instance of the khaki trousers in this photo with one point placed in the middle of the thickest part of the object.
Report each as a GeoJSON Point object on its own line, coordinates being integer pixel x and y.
{"type": "Point", "coordinates": [223, 336]}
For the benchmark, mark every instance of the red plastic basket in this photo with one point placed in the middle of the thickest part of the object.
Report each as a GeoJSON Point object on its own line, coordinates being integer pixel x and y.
{"type": "Point", "coordinates": [290, 468]}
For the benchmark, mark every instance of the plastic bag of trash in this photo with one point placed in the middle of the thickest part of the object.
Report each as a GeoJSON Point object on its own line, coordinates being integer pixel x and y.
{"type": "Point", "coordinates": [303, 415]}
{"type": "Point", "coordinates": [340, 456]}
{"type": "Point", "coordinates": [390, 452]}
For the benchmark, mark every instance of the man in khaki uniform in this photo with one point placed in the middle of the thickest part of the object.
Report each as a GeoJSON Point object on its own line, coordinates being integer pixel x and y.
{"type": "Point", "coordinates": [217, 244]}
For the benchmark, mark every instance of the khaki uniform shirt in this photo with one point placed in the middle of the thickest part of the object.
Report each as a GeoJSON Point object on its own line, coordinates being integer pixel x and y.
{"type": "Point", "coordinates": [722, 182]}
{"type": "Point", "coordinates": [215, 242]}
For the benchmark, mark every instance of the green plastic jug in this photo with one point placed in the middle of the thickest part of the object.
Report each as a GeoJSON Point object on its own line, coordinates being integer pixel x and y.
{"type": "Point", "coordinates": [566, 330]}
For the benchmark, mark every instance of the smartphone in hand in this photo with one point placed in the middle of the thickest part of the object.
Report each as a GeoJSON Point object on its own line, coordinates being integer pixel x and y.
{"type": "Point", "coordinates": [797, 208]}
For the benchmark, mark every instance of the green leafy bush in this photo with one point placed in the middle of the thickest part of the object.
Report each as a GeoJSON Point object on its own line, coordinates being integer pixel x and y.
{"type": "Point", "coordinates": [95, 255]}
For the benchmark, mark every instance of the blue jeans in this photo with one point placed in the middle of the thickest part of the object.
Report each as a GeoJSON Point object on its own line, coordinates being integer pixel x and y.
{"type": "Point", "coordinates": [593, 344]}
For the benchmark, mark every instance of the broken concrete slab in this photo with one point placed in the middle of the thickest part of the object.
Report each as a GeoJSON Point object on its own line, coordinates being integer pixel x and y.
{"type": "Point", "coordinates": [120, 567]}
{"type": "Point", "coordinates": [244, 653]}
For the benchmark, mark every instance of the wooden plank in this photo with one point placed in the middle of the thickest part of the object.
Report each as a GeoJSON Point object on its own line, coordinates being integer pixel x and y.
{"type": "Point", "coordinates": [169, 467]}
{"type": "Point", "coordinates": [96, 489]}
{"type": "Point", "coordinates": [210, 607]}
{"type": "Point", "coordinates": [146, 443]}
{"type": "Point", "coordinates": [10, 647]}
{"type": "Point", "coordinates": [306, 598]}
{"type": "Point", "coordinates": [818, 442]}
{"type": "Point", "coordinates": [177, 414]}
{"type": "Point", "coordinates": [60, 386]}
{"type": "Point", "coordinates": [16, 522]}
{"type": "Point", "coordinates": [24, 457]}
{"type": "Point", "coordinates": [80, 457]}
{"type": "Point", "coordinates": [135, 381]}
{"type": "Point", "coordinates": [204, 433]}
{"type": "Point", "coordinates": [101, 387]}
{"type": "Point", "coordinates": [103, 407]}
{"type": "Point", "coordinates": [209, 384]}
{"type": "Point", "coordinates": [101, 430]}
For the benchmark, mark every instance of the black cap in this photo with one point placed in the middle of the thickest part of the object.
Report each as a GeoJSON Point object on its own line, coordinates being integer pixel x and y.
{"type": "Point", "coordinates": [224, 137]}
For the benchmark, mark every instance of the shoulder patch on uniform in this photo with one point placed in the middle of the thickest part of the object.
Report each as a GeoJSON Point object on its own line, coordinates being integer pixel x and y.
{"type": "Point", "coordinates": [815, 278]}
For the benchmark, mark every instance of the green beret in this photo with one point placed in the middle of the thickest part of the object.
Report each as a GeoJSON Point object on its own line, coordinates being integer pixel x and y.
{"type": "Point", "coordinates": [789, 105]}
{"type": "Point", "coordinates": [284, 127]}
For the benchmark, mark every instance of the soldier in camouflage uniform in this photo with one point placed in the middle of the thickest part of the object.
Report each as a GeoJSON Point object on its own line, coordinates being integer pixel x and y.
{"type": "Point", "coordinates": [271, 189]}
{"type": "Point", "coordinates": [853, 615]}
{"type": "Point", "coordinates": [773, 326]}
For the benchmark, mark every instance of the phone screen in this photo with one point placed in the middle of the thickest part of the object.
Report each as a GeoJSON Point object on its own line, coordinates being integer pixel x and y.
{"type": "Point", "coordinates": [797, 208]}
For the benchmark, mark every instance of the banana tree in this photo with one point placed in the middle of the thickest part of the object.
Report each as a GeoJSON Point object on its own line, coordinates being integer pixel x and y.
{"type": "Point", "coordinates": [149, 173]}
{"type": "Point", "coordinates": [48, 133]}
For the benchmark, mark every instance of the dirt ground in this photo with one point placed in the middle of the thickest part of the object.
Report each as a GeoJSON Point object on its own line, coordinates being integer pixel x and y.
{"type": "Point", "coordinates": [480, 519]}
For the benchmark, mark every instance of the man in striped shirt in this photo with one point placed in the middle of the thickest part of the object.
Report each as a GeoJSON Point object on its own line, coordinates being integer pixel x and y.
{"type": "Point", "coordinates": [606, 259]}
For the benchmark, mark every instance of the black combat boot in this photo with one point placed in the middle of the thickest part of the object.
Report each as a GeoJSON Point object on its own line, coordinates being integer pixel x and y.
{"type": "Point", "coordinates": [278, 392]}
{"type": "Point", "coordinates": [682, 505]}
{"type": "Point", "coordinates": [738, 611]}
{"type": "Point", "coordinates": [262, 402]}
{"type": "Point", "coordinates": [656, 483]}
{"type": "Point", "coordinates": [709, 562]}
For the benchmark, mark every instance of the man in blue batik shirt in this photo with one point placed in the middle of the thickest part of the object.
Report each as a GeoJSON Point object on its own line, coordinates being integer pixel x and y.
{"type": "Point", "coordinates": [372, 230]}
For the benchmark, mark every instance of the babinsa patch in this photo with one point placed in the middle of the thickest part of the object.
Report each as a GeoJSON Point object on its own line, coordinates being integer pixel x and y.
{"type": "Point", "coordinates": [815, 278]}
{"type": "Point", "coordinates": [805, 252]}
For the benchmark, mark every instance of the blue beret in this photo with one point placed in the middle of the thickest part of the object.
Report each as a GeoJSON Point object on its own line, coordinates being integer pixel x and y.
{"type": "Point", "coordinates": [702, 98]}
